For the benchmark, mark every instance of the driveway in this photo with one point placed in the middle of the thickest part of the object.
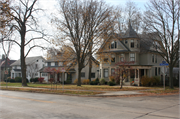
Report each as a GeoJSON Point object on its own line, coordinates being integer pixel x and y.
{"type": "Point", "coordinates": [25, 105]}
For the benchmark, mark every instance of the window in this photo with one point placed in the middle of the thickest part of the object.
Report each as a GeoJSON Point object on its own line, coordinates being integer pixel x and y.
{"type": "Point", "coordinates": [159, 70]}
{"type": "Point", "coordinates": [37, 60]}
{"type": "Point", "coordinates": [49, 63]}
{"type": "Point", "coordinates": [106, 74]}
{"type": "Point", "coordinates": [132, 43]}
{"type": "Point", "coordinates": [155, 71]}
{"type": "Point", "coordinates": [112, 58]}
{"type": "Point", "coordinates": [15, 67]}
{"type": "Point", "coordinates": [44, 74]}
{"type": "Point", "coordinates": [152, 58]}
{"type": "Point", "coordinates": [82, 74]}
{"type": "Point", "coordinates": [105, 59]}
{"type": "Point", "coordinates": [126, 41]}
{"type": "Point", "coordinates": [60, 63]}
{"type": "Point", "coordinates": [36, 65]}
{"type": "Point", "coordinates": [155, 58]}
{"type": "Point", "coordinates": [113, 45]}
{"type": "Point", "coordinates": [36, 74]}
{"type": "Point", "coordinates": [56, 63]}
{"type": "Point", "coordinates": [112, 71]}
{"type": "Point", "coordinates": [121, 57]}
{"type": "Point", "coordinates": [132, 57]}
{"type": "Point", "coordinates": [92, 75]}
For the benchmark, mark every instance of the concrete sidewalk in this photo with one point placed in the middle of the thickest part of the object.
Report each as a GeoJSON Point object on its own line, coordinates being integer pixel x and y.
{"type": "Point", "coordinates": [120, 93]}
{"type": "Point", "coordinates": [105, 93]}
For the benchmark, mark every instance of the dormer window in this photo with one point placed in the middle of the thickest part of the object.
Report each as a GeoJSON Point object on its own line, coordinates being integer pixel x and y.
{"type": "Point", "coordinates": [132, 43]}
{"type": "Point", "coordinates": [113, 45]}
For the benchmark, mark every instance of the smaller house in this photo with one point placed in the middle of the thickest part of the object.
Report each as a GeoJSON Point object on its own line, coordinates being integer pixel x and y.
{"type": "Point", "coordinates": [8, 67]}
{"type": "Point", "coordinates": [67, 68]}
{"type": "Point", "coordinates": [33, 65]}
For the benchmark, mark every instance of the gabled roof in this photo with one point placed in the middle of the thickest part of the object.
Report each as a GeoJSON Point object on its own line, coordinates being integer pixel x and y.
{"type": "Point", "coordinates": [28, 60]}
{"type": "Point", "coordinates": [3, 62]}
{"type": "Point", "coordinates": [130, 33]}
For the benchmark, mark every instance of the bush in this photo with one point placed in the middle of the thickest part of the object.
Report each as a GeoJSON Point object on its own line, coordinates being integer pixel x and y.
{"type": "Point", "coordinates": [34, 80]}
{"type": "Point", "coordinates": [145, 80]}
{"type": "Point", "coordinates": [11, 80]}
{"type": "Point", "coordinates": [85, 81]}
{"type": "Point", "coordinates": [68, 82]}
{"type": "Point", "coordinates": [18, 79]}
{"type": "Point", "coordinates": [156, 80]}
{"type": "Point", "coordinates": [102, 81]}
{"type": "Point", "coordinates": [111, 83]}
{"type": "Point", "coordinates": [75, 81]}
{"type": "Point", "coordinates": [51, 80]}
{"type": "Point", "coordinates": [41, 79]}
{"type": "Point", "coordinates": [112, 78]}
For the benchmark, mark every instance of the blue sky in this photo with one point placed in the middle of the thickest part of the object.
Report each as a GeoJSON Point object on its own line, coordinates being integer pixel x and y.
{"type": "Point", "coordinates": [49, 6]}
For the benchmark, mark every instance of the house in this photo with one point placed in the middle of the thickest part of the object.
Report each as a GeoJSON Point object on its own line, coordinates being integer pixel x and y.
{"type": "Point", "coordinates": [129, 47]}
{"type": "Point", "coordinates": [63, 69]}
{"type": "Point", "coordinates": [33, 65]}
{"type": "Point", "coordinates": [8, 67]}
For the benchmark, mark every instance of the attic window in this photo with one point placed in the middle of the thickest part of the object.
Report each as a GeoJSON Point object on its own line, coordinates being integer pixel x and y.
{"type": "Point", "coordinates": [113, 45]}
{"type": "Point", "coordinates": [126, 41]}
{"type": "Point", "coordinates": [132, 43]}
{"type": "Point", "coordinates": [37, 60]}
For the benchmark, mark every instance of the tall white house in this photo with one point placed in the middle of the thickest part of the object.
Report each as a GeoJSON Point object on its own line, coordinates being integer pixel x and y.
{"type": "Point", "coordinates": [33, 65]}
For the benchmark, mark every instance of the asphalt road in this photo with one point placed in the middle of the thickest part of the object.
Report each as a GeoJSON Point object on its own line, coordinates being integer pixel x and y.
{"type": "Point", "coordinates": [25, 105]}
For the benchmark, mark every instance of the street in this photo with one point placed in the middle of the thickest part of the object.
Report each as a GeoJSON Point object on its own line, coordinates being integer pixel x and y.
{"type": "Point", "coordinates": [25, 105]}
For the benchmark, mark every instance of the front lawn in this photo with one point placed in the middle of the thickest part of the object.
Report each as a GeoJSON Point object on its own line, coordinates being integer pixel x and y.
{"type": "Point", "coordinates": [83, 87]}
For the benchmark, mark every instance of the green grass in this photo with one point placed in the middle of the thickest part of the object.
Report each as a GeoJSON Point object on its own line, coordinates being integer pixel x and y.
{"type": "Point", "coordinates": [51, 91]}
{"type": "Point", "coordinates": [83, 87]}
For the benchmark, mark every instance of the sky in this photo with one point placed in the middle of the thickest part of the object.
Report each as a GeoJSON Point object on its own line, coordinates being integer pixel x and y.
{"type": "Point", "coordinates": [49, 7]}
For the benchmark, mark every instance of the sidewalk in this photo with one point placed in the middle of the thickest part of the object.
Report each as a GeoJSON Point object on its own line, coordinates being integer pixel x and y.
{"type": "Point", "coordinates": [106, 93]}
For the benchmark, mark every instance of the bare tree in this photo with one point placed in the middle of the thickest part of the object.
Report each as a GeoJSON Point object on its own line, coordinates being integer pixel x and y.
{"type": "Point", "coordinates": [32, 69]}
{"type": "Point", "coordinates": [81, 25]}
{"type": "Point", "coordinates": [162, 24]}
{"type": "Point", "coordinates": [25, 23]}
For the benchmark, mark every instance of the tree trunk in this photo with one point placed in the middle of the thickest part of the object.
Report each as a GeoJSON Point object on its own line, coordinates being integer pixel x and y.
{"type": "Point", "coordinates": [90, 67]}
{"type": "Point", "coordinates": [23, 63]}
{"type": "Point", "coordinates": [171, 82]}
{"type": "Point", "coordinates": [79, 75]}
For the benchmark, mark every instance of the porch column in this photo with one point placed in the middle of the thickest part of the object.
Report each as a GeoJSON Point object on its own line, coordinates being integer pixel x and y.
{"type": "Point", "coordinates": [135, 73]}
{"type": "Point", "coordinates": [138, 78]}
{"type": "Point", "coordinates": [65, 77]}
{"type": "Point", "coordinates": [102, 73]}
{"type": "Point", "coordinates": [145, 72]}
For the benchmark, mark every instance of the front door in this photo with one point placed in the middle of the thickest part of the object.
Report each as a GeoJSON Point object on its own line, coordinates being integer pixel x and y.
{"type": "Point", "coordinates": [69, 77]}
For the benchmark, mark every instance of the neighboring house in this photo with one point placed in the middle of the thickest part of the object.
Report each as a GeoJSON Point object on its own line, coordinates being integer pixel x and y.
{"type": "Point", "coordinates": [33, 65]}
{"type": "Point", "coordinates": [8, 67]}
{"type": "Point", "coordinates": [129, 47]}
{"type": "Point", "coordinates": [70, 69]}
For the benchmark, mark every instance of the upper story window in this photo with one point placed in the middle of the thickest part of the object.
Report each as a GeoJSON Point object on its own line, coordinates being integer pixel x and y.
{"type": "Point", "coordinates": [121, 58]}
{"type": "Point", "coordinates": [152, 58]}
{"type": "Point", "coordinates": [132, 43]}
{"type": "Point", "coordinates": [37, 60]}
{"type": "Point", "coordinates": [105, 59]}
{"type": "Point", "coordinates": [49, 64]}
{"type": "Point", "coordinates": [36, 65]}
{"type": "Point", "coordinates": [56, 63]}
{"type": "Point", "coordinates": [126, 41]}
{"type": "Point", "coordinates": [132, 56]}
{"type": "Point", "coordinates": [60, 63]}
{"type": "Point", "coordinates": [113, 58]}
{"type": "Point", "coordinates": [155, 58]}
{"type": "Point", "coordinates": [113, 45]}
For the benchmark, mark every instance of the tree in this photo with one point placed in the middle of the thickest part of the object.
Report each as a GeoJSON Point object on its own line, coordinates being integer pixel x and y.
{"type": "Point", "coordinates": [25, 23]}
{"type": "Point", "coordinates": [81, 25]}
{"type": "Point", "coordinates": [161, 21]}
{"type": "Point", "coordinates": [121, 72]}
